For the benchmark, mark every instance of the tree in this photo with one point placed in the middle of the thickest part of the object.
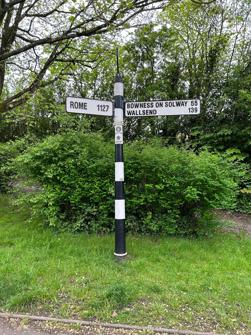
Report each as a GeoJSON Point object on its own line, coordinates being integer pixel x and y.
{"type": "Point", "coordinates": [35, 34]}
{"type": "Point", "coordinates": [193, 53]}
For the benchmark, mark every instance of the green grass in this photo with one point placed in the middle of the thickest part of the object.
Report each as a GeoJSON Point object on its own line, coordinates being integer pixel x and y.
{"type": "Point", "coordinates": [173, 282]}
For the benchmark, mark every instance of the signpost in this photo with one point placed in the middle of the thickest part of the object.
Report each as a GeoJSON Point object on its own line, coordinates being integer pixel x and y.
{"type": "Point", "coordinates": [132, 109]}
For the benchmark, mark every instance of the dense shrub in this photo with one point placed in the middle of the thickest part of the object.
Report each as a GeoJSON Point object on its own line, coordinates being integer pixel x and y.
{"type": "Point", "coordinates": [167, 190]}
{"type": "Point", "coordinates": [241, 172]}
{"type": "Point", "coordinates": [174, 189]}
{"type": "Point", "coordinates": [8, 151]}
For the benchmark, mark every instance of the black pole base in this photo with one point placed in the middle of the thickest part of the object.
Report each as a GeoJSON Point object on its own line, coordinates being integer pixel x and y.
{"type": "Point", "coordinates": [120, 241]}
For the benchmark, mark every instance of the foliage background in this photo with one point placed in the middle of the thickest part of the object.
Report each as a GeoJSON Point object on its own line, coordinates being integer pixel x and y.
{"type": "Point", "coordinates": [188, 51]}
{"type": "Point", "coordinates": [168, 190]}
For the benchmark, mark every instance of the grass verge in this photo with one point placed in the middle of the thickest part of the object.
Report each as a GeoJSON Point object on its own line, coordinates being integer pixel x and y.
{"type": "Point", "coordinates": [182, 283]}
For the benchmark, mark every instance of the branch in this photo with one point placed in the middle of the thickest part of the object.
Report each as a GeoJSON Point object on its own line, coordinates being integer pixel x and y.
{"type": "Point", "coordinates": [51, 40]}
{"type": "Point", "coordinates": [75, 61]}
{"type": "Point", "coordinates": [53, 10]}
{"type": "Point", "coordinates": [25, 98]}
{"type": "Point", "coordinates": [3, 10]}
{"type": "Point", "coordinates": [144, 3]}
{"type": "Point", "coordinates": [20, 66]}
{"type": "Point", "coordinates": [72, 33]}
{"type": "Point", "coordinates": [10, 102]}
{"type": "Point", "coordinates": [15, 2]}
{"type": "Point", "coordinates": [200, 2]}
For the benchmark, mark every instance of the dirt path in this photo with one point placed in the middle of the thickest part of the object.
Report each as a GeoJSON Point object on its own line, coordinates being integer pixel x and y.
{"type": "Point", "coordinates": [12, 327]}
{"type": "Point", "coordinates": [238, 222]}
{"type": "Point", "coordinates": [24, 325]}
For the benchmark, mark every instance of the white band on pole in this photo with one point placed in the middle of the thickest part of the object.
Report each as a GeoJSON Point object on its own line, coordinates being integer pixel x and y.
{"type": "Point", "coordinates": [118, 89]}
{"type": "Point", "coordinates": [120, 255]}
{"type": "Point", "coordinates": [118, 116]}
{"type": "Point", "coordinates": [119, 171]}
{"type": "Point", "coordinates": [120, 209]}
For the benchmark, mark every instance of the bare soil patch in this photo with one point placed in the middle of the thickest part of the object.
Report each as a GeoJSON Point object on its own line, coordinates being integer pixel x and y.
{"type": "Point", "coordinates": [13, 326]}
{"type": "Point", "coordinates": [238, 222]}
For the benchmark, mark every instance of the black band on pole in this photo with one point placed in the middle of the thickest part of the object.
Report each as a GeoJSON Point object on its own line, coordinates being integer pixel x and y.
{"type": "Point", "coordinates": [118, 101]}
{"type": "Point", "coordinates": [119, 153]}
{"type": "Point", "coordinates": [119, 190]}
{"type": "Point", "coordinates": [120, 242]}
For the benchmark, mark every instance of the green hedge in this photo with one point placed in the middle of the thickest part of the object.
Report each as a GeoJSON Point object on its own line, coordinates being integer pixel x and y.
{"type": "Point", "coordinates": [8, 151]}
{"type": "Point", "coordinates": [168, 190]}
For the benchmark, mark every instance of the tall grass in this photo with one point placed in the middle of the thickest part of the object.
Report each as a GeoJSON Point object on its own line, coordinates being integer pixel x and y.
{"type": "Point", "coordinates": [202, 284]}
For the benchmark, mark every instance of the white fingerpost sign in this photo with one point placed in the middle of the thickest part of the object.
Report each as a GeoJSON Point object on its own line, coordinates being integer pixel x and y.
{"type": "Point", "coordinates": [89, 106]}
{"type": "Point", "coordinates": [161, 108]}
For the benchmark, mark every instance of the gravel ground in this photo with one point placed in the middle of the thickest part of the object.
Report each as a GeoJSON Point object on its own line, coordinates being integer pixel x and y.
{"type": "Point", "coordinates": [14, 326]}
{"type": "Point", "coordinates": [25, 327]}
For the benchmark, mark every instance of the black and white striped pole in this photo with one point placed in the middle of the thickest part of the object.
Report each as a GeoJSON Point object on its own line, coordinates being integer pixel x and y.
{"type": "Point", "coordinates": [120, 239]}
{"type": "Point", "coordinates": [132, 109]}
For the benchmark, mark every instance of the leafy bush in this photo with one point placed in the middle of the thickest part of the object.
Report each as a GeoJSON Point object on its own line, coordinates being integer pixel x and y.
{"type": "Point", "coordinates": [76, 176]}
{"type": "Point", "coordinates": [244, 200]}
{"type": "Point", "coordinates": [8, 151]}
{"type": "Point", "coordinates": [168, 190]}
{"type": "Point", "coordinates": [242, 173]}
{"type": "Point", "coordinates": [176, 188]}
